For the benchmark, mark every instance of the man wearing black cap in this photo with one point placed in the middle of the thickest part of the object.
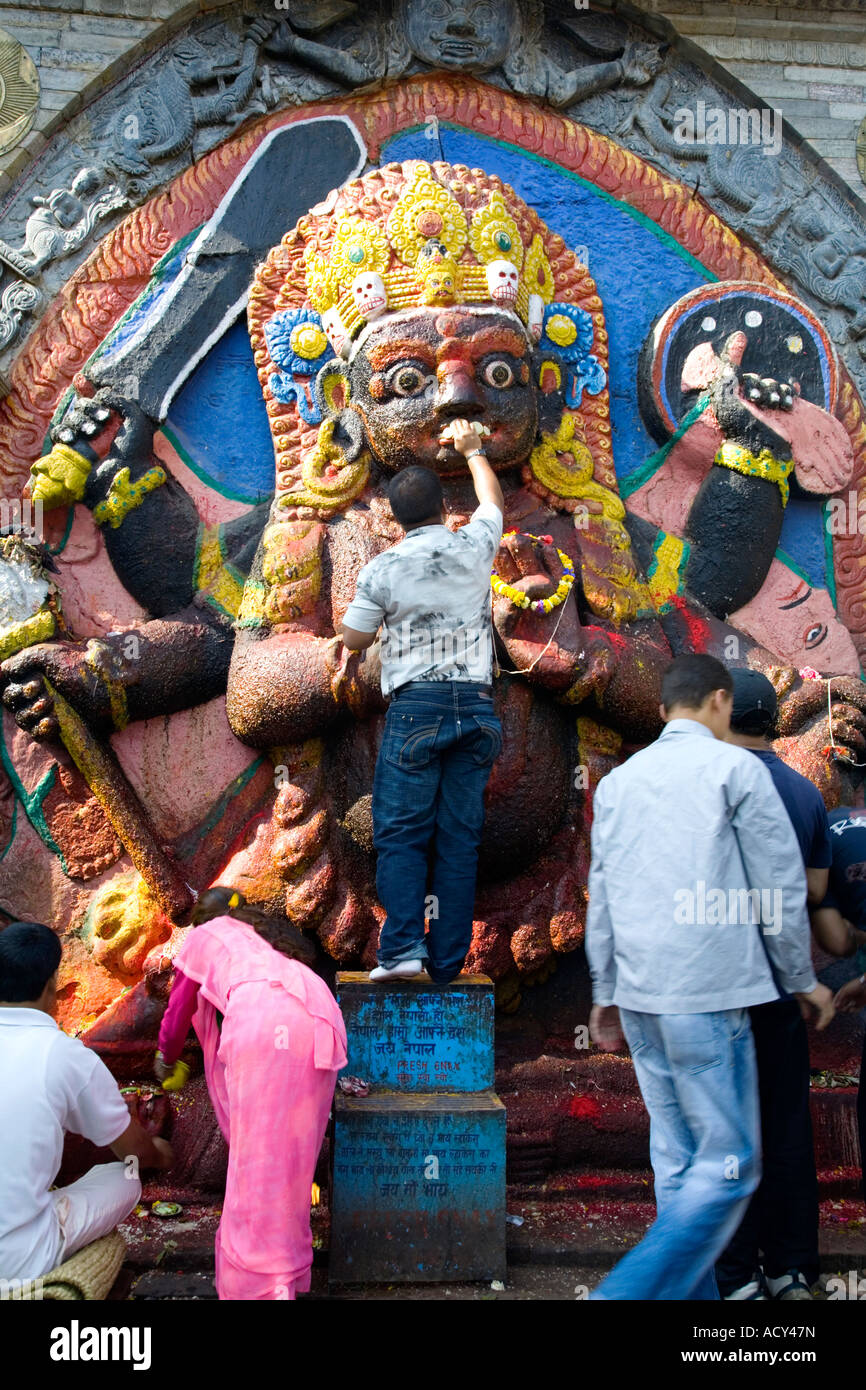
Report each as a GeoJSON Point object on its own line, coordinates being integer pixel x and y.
{"type": "Point", "coordinates": [782, 1218]}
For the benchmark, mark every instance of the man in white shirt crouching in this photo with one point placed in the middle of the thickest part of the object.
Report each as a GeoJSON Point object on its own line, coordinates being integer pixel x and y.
{"type": "Point", "coordinates": [50, 1084]}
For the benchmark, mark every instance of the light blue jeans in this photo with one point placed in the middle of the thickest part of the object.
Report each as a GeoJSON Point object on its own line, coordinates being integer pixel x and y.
{"type": "Point", "coordinates": [699, 1082]}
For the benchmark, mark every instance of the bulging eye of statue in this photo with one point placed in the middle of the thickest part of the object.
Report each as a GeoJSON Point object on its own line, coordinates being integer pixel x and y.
{"type": "Point", "coordinates": [407, 380]}
{"type": "Point", "coordinates": [498, 373]}
{"type": "Point", "coordinates": [815, 636]}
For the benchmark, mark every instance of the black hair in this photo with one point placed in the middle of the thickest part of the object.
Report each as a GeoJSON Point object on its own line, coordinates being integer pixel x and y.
{"type": "Point", "coordinates": [690, 679]}
{"type": "Point", "coordinates": [755, 723]}
{"type": "Point", "coordinates": [29, 955]}
{"type": "Point", "coordinates": [415, 495]}
{"type": "Point", "coordinates": [221, 901]}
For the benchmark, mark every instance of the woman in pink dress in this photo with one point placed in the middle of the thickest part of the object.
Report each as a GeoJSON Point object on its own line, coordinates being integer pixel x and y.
{"type": "Point", "coordinates": [273, 1041]}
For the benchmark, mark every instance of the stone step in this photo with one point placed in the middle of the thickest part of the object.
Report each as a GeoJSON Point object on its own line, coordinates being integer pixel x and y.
{"type": "Point", "coordinates": [178, 1286]}
{"type": "Point", "coordinates": [595, 1233]}
{"type": "Point", "coordinates": [585, 1110]}
{"type": "Point", "coordinates": [413, 1035]}
{"type": "Point", "coordinates": [174, 1243]}
{"type": "Point", "coordinates": [418, 1191]}
{"type": "Point", "coordinates": [630, 1184]}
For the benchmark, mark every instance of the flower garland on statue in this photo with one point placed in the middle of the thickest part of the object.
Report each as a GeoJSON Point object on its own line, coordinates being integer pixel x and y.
{"type": "Point", "coordinates": [522, 600]}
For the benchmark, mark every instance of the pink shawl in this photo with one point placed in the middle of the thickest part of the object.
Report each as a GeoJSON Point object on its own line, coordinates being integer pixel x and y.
{"type": "Point", "coordinates": [224, 953]}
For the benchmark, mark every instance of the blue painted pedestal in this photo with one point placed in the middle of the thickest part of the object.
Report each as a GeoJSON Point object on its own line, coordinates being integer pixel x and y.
{"type": "Point", "coordinates": [418, 1187]}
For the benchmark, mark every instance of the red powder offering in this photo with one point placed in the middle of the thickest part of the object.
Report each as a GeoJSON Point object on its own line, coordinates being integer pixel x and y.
{"type": "Point", "coordinates": [584, 1108]}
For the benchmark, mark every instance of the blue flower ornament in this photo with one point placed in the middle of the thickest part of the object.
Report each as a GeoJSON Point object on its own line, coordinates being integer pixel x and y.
{"type": "Point", "coordinates": [567, 334]}
{"type": "Point", "coordinates": [298, 344]}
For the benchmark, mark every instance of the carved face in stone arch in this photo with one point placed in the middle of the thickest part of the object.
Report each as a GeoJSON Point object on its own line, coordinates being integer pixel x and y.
{"type": "Point", "coordinates": [415, 372]}
{"type": "Point", "coordinates": [473, 36]}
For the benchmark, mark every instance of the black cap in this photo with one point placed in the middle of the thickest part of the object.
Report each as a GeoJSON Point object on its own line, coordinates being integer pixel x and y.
{"type": "Point", "coordinates": [755, 703]}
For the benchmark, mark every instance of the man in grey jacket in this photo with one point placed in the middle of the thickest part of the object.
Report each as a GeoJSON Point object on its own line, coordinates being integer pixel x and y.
{"type": "Point", "coordinates": [697, 911]}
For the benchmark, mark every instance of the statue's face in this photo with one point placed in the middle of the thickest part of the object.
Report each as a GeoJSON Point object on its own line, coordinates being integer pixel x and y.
{"type": "Point", "coordinates": [798, 624]}
{"type": "Point", "coordinates": [473, 36]}
{"type": "Point", "coordinates": [414, 375]}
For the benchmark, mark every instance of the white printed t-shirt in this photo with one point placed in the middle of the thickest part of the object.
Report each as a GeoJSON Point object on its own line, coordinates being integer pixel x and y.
{"type": "Point", "coordinates": [49, 1083]}
{"type": "Point", "coordinates": [431, 595]}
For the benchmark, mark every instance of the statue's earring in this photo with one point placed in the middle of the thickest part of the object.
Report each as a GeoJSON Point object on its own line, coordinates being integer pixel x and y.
{"type": "Point", "coordinates": [335, 472]}
{"type": "Point", "coordinates": [350, 435]}
{"type": "Point", "coordinates": [332, 389]}
{"type": "Point", "coordinates": [549, 376]}
{"type": "Point", "coordinates": [561, 461]}
{"type": "Point", "coordinates": [334, 475]}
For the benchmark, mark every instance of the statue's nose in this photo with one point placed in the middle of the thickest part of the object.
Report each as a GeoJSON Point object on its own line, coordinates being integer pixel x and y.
{"type": "Point", "coordinates": [456, 394]}
{"type": "Point", "coordinates": [460, 25]}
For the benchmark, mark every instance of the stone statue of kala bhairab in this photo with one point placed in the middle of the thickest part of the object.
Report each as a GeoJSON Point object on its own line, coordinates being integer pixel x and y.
{"type": "Point", "coordinates": [414, 295]}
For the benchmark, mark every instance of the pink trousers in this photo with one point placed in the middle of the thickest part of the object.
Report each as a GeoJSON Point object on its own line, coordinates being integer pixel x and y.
{"type": "Point", "coordinates": [273, 1106]}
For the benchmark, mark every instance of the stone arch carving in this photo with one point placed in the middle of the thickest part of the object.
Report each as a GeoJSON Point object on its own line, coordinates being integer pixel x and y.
{"type": "Point", "coordinates": [162, 112]}
{"type": "Point", "coordinates": [127, 243]}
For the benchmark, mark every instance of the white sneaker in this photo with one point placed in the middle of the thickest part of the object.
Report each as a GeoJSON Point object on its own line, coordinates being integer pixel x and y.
{"type": "Point", "coordinates": [403, 970]}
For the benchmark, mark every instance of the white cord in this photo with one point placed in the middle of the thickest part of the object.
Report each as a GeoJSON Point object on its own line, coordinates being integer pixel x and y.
{"type": "Point", "coordinates": [843, 757]}
{"type": "Point", "coordinates": [504, 670]}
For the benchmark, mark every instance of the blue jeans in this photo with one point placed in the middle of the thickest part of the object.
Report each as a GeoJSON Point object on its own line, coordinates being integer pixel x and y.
{"type": "Point", "coordinates": [440, 741]}
{"type": "Point", "coordinates": [698, 1078]}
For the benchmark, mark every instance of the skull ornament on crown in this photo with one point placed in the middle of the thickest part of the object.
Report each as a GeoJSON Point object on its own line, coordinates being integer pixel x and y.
{"type": "Point", "coordinates": [503, 282]}
{"type": "Point", "coordinates": [371, 300]}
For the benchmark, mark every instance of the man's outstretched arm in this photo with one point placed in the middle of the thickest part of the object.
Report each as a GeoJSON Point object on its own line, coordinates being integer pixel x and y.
{"type": "Point", "coordinates": [467, 441]}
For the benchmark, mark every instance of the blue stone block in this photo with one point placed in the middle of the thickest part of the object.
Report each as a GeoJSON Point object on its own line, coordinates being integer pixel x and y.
{"type": "Point", "coordinates": [414, 1036]}
{"type": "Point", "coordinates": [418, 1191]}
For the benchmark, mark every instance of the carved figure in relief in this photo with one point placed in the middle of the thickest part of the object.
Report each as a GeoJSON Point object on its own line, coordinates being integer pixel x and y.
{"type": "Point", "coordinates": [62, 222]}
{"type": "Point", "coordinates": [172, 109]}
{"type": "Point", "coordinates": [829, 261]}
{"type": "Point", "coordinates": [473, 36]}
{"type": "Point", "coordinates": [754, 188]}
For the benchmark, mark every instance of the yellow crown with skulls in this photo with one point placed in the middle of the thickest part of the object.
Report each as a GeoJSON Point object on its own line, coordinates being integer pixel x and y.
{"type": "Point", "coordinates": [426, 253]}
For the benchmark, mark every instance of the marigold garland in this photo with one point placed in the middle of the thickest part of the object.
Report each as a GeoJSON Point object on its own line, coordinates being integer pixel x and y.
{"type": "Point", "coordinates": [522, 600]}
